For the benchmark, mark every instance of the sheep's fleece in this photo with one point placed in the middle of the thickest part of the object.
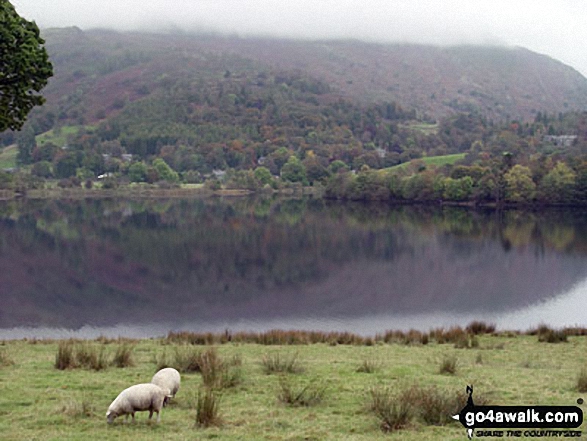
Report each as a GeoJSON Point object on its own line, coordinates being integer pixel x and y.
{"type": "Point", "coordinates": [146, 396]}
{"type": "Point", "coordinates": [167, 378]}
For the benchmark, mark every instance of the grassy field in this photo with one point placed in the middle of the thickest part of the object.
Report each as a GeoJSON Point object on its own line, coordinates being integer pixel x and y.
{"type": "Point", "coordinates": [59, 138]}
{"type": "Point", "coordinates": [8, 157]}
{"type": "Point", "coordinates": [39, 401]}
{"type": "Point", "coordinates": [438, 161]}
{"type": "Point", "coordinates": [426, 129]}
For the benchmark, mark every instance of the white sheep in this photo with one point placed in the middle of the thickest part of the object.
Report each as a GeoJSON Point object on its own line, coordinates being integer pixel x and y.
{"type": "Point", "coordinates": [145, 396]}
{"type": "Point", "coordinates": [168, 379]}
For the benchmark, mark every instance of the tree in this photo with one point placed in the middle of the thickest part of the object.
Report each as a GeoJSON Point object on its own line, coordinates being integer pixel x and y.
{"type": "Point", "coordinates": [24, 67]}
{"type": "Point", "coordinates": [165, 172]}
{"type": "Point", "coordinates": [558, 184]}
{"type": "Point", "coordinates": [294, 171]}
{"type": "Point", "coordinates": [27, 143]}
{"type": "Point", "coordinates": [263, 175]}
{"type": "Point", "coordinates": [519, 184]}
{"type": "Point", "coordinates": [137, 172]}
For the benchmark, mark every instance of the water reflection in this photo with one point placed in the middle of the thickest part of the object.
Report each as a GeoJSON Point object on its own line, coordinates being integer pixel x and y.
{"type": "Point", "coordinates": [142, 268]}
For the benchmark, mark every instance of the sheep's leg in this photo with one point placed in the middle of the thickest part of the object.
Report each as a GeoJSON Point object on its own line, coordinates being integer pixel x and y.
{"type": "Point", "coordinates": [150, 413]}
{"type": "Point", "coordinates": [158, 416]}
{"type": "Point", "coordinates": [126, 419]}
{"type": "Point", "coordinates": [133, 417]}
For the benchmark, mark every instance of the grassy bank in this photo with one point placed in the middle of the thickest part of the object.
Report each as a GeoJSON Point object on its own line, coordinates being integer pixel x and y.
{"type": "Point", "coordinates": [260, 383]}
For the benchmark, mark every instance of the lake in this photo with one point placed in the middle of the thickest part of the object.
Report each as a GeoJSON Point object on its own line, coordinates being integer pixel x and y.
{"type": "Point", "coordinates": [140, 268]}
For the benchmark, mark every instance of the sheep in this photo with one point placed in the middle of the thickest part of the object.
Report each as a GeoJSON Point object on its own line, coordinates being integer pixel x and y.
{"type": "Point", "coordinates": [168, 379]}
{"type": "Point", "coordinates": [145, 396]}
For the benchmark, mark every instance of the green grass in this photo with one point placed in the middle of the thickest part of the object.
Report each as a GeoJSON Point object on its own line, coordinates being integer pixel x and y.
{"type": "Point", "coordinates": [38, 401]}
{"type": "Point", "coordinates": [437, 161]}
{"type": "Point", "coordinates": [59, 138]}
{"type": "Point", "coordinates": [426, 129]}
{"type": "Point", "coordinates": [8, 157]}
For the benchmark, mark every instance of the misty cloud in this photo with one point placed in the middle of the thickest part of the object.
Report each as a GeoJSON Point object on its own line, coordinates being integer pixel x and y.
{"type": "Point", "coordinates": [555, 28]}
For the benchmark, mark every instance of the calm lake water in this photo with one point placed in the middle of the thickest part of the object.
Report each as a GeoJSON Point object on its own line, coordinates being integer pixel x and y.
{"type": "Point", "coordinates": [144, 267]}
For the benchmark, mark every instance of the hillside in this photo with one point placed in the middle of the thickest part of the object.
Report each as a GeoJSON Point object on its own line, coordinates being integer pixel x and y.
{"type": "Point", "coordinates": [97, 70]}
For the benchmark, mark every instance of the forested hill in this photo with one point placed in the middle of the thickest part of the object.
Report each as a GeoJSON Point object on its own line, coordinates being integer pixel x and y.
{"type": "Point", "coordinates": [95, 70]}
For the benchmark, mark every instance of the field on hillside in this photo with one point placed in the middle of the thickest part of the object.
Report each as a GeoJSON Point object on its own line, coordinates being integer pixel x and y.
{"type": "Point", "coordinates": [39, 401]}
{"type": "Point", "coordinates": [438, 161]}
{"type": "Point", "coordinates": [8, 157]}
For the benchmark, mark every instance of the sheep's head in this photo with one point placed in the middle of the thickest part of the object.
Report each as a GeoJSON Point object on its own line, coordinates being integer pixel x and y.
{"type": "Point", "coordinates": [110, 415]}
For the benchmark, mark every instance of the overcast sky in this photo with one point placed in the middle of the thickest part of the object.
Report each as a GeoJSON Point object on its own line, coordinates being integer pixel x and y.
{"type": "Point", "coordinates": [557, 28]}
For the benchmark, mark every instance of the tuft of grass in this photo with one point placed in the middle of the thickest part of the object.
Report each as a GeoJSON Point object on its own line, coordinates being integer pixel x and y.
{"type": "Point", "coordinates": [448, 365]}
{"type": "Point", "coordinates": [208, 408]}
{"type": "Point", "coordinates": [64, 359]}
{"type": "Point", "coordinates": [369, 366]}
{"type": "Point", "coordinates": [479, 327]}
{"type": "Point", "coordinates": [296, 394]}
{"type": "Point", "coordinates": [71, 355]}
{"type": "Point", "coordinates": [394, 412]}
{"type": "Point", "coordinates": [90, 357]}
{"type": "Point", "coordinates": [77, 409]}
{"type": "Point", "coordinates": [553, 336]}
{"type": "Point", "coordinates": [433, 406]}
{"type": "Point", "coordinates": [186, 359]}
{"type": "Point", "coordinates": [123, 356]}
{"type": "Point", "coordinates": [5, 358]}
{"type": "Point", "coordinates": [582, 381]}
{"type": "Point", "coordinates": [277, 363]}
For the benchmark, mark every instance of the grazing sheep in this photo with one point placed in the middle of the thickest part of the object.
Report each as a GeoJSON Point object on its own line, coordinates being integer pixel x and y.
{"type": "Point", "coordinates": [169, 379]}
{"type": "Point", "coordinates": [146, 396]}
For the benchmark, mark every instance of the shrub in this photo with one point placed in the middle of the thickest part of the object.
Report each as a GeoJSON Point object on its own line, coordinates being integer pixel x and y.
{"type": "Point", "coordinates": [306, 395]}
{"type": "Point", "coordinates": [207, 408]}
{"type": "Point", "coordinates": [276, 363]}
{"type": "Point", "coordinates": [394, 412]}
